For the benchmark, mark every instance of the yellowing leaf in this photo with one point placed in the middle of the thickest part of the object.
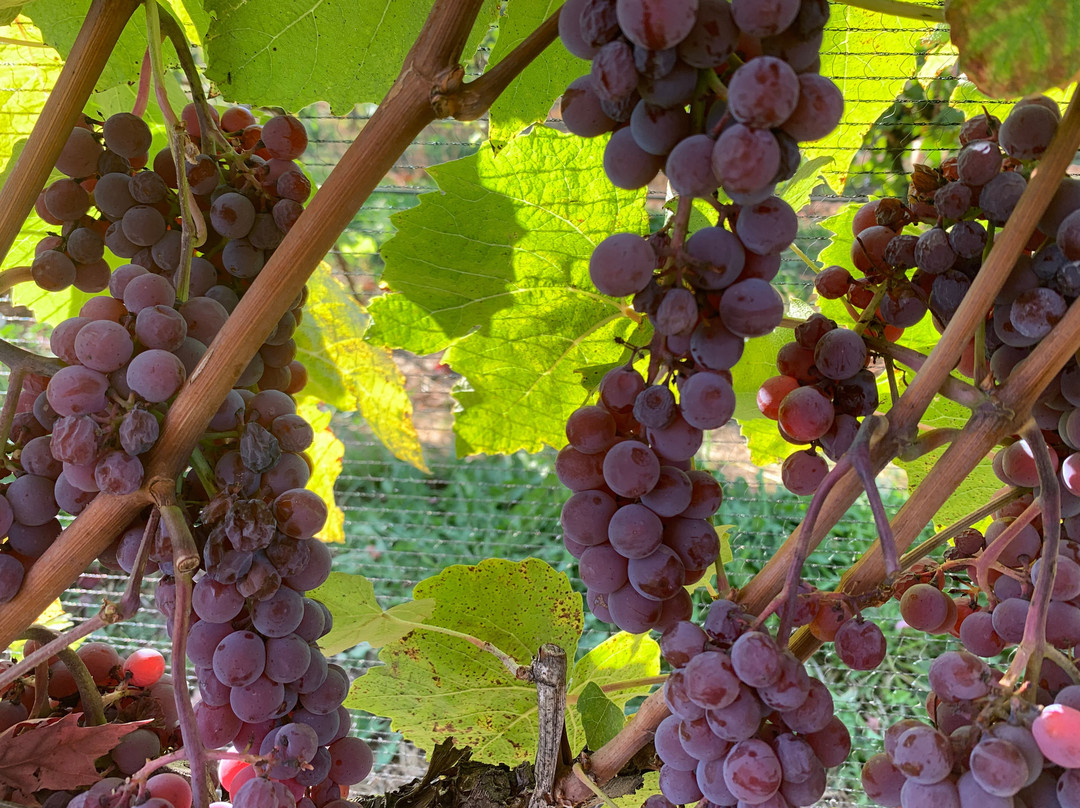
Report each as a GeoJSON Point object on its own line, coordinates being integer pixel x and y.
{"type": "Point", "coordinates": [350, 374]}
{"type": "Point", "coordinates": [327, 455]}
{"type": "Point", "coordinates": [433, 686]}
{"type": "Point", "coordinates": [358, 617]}
{"type": "Point", "coordinates": [620, 658]}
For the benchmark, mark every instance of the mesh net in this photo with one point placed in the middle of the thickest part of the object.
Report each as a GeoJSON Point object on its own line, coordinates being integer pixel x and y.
{"type": "Point", "coordinates": [403, 525]}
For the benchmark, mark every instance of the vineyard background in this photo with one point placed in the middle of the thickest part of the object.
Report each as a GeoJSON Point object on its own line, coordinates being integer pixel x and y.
{"type": "Point", "coordinates": [403, 525]}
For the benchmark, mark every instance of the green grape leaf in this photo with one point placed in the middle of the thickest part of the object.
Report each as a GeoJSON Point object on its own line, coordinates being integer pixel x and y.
{"type": "Point", "coordinates": [870, 57]}
{"type": "Point", "coordinates": [757, 364]}
{"type": "Point", "coordinates": [61, 20]}
{"type": "Point", "coordinates": [796, 191]}
{"type": "Point", "coordinates": [763, 440]}
{"type": "Point", "coordinates": [530, 95]}
{"type": "Point", "coordinates": [600, 716]}
{"type": "Point", "coordinates": [841, 238]}
{"type": "Point", "coordinates": [1019, 47]}
{"type": "Point", "coordinates": [494, 268]}
{"type": "Point", "coordinates": [967, 98]}
{"type": "Point", "coordinates": [29, 75]}
{"type": "Point", "coordinates": [350, 374]}
{"type": "Point", "coordinates": [291, 53]}
{"type": "Point", "coordinates": [433, 686]}
{"type": "Point", "coordinates": [327, 455]}
{"type": "Point", "coordinates": [358, 617]}
{"type": "Point", "coordinates": [620, 658]}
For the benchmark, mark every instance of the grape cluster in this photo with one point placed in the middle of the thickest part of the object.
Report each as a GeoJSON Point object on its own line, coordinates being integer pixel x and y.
{"type": "Point", "coordinates": [717, 96]}
{"type": "Point", "coordinates": [137, 687]}
{"type": "Point", "coordinates": [748, 725]}
{"type": "Point", "coordinates": [638, 518]}
{"type": "Point", "coordinates": [822, 390]}
{"type": "Point", "coordinates": [264, 686]}
{"type": "Point", "coordinates": [966, 760]}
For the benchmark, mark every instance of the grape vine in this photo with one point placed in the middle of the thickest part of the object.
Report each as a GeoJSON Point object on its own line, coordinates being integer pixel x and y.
{"type": "Point", "coordinates": [165, 423]}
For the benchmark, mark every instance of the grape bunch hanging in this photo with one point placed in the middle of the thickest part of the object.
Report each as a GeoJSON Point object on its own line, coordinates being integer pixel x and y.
{"type": "Point", "coordinates": [717, 96]}
{"type": "Point", "coordinates": [264, 686]}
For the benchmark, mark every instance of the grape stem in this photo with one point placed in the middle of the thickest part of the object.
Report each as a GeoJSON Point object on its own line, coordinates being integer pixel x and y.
{"type": "Point", "coordinates": [629, 684]}
{"type": "Point", "coordinates": [927, 442]}
{"type": "Point", "coordinates": [1062, 661]}
{"type": "Point", "coordinates": [41, 706]}
{"type": "Point", "coordinates": [870, 312]}
{"type": "Point", "coordinates": [185, 557]}
{"type": "Point", "coordinates": [93, 712]}
{"type": "Point", "coordinates": [142, 95]}
{"type": "Point", "coordinates": [875, 426]}
{"type": "Point", "coordinates": [171, 28]}
{"type": "Point", "coordinates": [1029, 655]}
{"type": "Point", "coordinates": [993, 551]}
{"type": "Point", "coordinates": [138, 780]}
{"type": "Point", "coordinates": [110, 613]}
{"type": "Point", "coordinates": [939, 539]}
{"type": "Point", "coordinates": [911, 11]}
{"type": "Point", "coordinates": [952, 388]}
{"type": "Point", "coordinates": [190, 216]}
{"type": "Point", "coordinates": [890, 370]}
{"type": "Point", "coordinates": [806, 259]}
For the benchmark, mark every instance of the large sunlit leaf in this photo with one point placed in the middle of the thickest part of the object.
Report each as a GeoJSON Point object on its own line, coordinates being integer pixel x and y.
{"type": "Point", "coordinates": [291, 53]}
{"type": "Point", "coordinates": [494, 267]}
{"type": "Point", "coordinates": [531, 94]}
{"type": "Point", "coordinates": [433, 686]}
{"type": "Point", "coordinates": [870, 57]}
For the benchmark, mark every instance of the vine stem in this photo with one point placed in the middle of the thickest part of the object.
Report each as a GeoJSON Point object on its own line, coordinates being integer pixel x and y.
{"type": "Point", "coordinates": [990, 555]}
{"type": "Point", "coordinates": [959, 526]}
{"type": "Point", "coordinates": [100, 31]}
{"type": "Point", "coordinates": [1027, 661]}
{"type": "Point", "coordinates": [16, 379]}
{"type": "Point", "coordinates": [93, 711]}
{"type": "Point", "coordinates": [911, 11]}
{"type": "Point", "coordinates": [606, 761]}
{"type": "Point", "coordinates": [398, 120]}
{"type": "Point", "coordinates": [192, 225]}
{"type": "Point", "coordinates": [470, 101]}
{"type": "Point", "coordinates": [10, 278]}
